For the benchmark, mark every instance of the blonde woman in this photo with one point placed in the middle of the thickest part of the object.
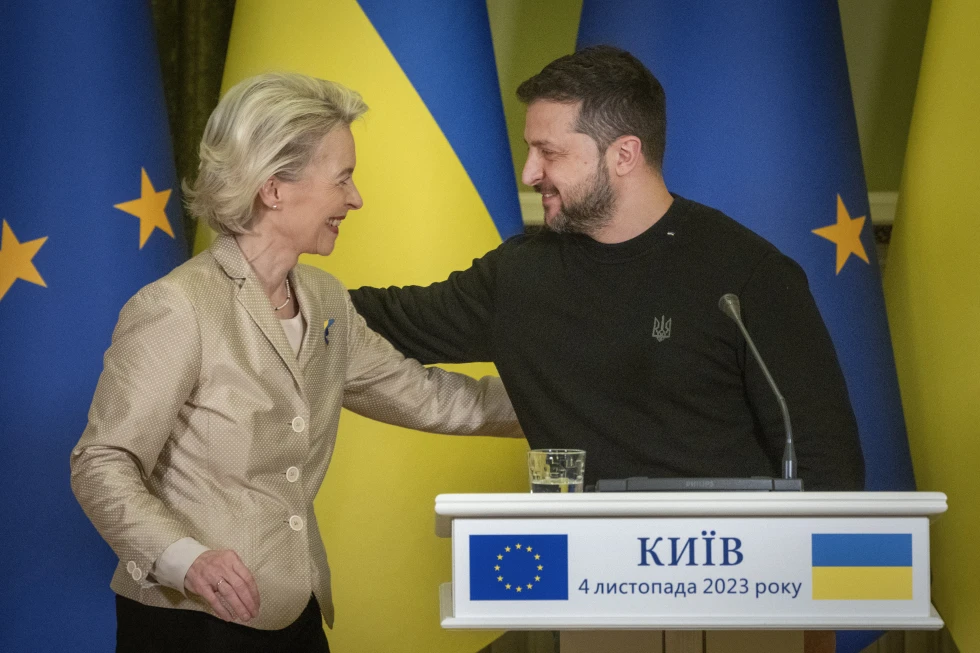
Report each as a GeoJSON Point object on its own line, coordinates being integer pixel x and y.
{"type": "Point", "coordinates": [216, 414]}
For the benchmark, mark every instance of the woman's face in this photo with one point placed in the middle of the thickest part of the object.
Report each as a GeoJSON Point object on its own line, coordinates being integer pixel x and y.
{"type": "Point", "coordinates": [314, 206]}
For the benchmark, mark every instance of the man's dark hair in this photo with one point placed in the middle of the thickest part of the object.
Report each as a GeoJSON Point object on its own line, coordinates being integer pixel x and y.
{"type": "Point", "coordinates": [619, 97]}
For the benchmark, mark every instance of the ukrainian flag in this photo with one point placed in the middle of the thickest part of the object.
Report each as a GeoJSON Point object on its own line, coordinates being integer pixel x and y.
{"type": "Point", "coordinates": [932, 285]}
{"type": "Point", "coordinates": [862, 566]}
{"type": "Point", "coordinates": [90, 214]}
{"type": "Point", "coordinates": [435, 170]}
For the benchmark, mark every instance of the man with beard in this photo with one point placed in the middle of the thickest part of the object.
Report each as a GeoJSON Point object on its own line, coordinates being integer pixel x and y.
{"type": "Point", "coordinates": [605, 327]}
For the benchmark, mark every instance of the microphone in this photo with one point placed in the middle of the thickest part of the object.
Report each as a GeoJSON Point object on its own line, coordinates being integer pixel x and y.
{"type": "Point", "coordinates": [730, 306]}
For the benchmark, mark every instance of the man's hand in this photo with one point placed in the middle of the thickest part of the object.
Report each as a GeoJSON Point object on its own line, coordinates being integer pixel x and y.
{"type": "Point", "coordinates": [226, 583]}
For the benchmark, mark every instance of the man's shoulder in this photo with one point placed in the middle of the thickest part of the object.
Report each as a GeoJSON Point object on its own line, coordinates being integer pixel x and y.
{"type": "Point", "coordinates": [736, 252]}
{"type": "Point", "coordinates": [517, 250]}
{"type": "Point", "coordinates": [532, 242]}
{"type": "Point", "coordinates": [715, 228]}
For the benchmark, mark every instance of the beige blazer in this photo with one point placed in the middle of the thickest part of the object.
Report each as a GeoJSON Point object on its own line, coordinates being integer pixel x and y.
{"type": "Point", "coordinates": [203, 416]}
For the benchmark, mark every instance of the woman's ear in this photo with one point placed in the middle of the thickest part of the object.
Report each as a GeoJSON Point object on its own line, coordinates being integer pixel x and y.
{"type": "Point", "coordinates": [270, 194]}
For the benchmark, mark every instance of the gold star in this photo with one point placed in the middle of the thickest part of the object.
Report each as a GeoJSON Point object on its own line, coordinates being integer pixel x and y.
{"type": "Point", "coordinates": [540, 567]}
{"type": "Point", "coordinates": [518, 588]}
{"type": "Point", "coordinates": [528, 549]}
{"type": "Point", "coordinates": [499, 578]}
{"type": "Point", "coordinates": [507, 549]}
{"type": "Point", "coordinates": [500, 557]}
{"type": "Point", "coordinates": [518, 545]}
{"type": "Point", "coordinates": [846, 234]}
{"type": "Point", "coordinates": [537, 579]}
{"type": "Point", "coordinates": [149, 208]}
{"type": "Point", "coordinates": [496, 567]}
{"type": "Point", "coordinates": [529, 586]}
{"type": "Point", "coordinates": [507, 586]}
{"type": "Point", "coordinates": [537, 556]}
{"type": "Point", "coordinates": [15, 260]}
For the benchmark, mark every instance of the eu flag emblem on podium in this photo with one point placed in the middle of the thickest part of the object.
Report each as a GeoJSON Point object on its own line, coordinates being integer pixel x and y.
{"type": "Point", "coordinates": [518, 567]}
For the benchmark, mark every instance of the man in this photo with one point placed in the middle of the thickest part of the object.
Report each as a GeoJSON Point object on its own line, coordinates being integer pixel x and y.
{"type": "Point", "coordinates": [605, 327]}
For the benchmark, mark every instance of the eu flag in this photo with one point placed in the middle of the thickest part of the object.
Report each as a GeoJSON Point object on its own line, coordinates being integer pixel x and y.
{"type": "Point", "coordinates": [90, 214]}
{"type": "Point", "coordinates": [518, 567]}
{"type": "Point", "coordinates": [760, 124]}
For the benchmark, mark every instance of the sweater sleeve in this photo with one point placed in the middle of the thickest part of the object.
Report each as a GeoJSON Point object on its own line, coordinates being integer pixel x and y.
{"type": "Point", "coordinates": [384, 385]}
{"type": "Point", "coordinates": [783, 319]}
{"type": "Point", "coordinates": [446, 322]}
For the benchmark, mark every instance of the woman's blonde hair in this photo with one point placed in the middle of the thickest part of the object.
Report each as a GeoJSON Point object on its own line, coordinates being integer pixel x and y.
{"type": "Point", "coordinates": [265, 126]}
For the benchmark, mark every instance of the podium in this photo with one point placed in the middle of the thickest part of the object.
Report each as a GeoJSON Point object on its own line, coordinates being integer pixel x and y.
{"type": "Point", "coordinates": [695, 571]}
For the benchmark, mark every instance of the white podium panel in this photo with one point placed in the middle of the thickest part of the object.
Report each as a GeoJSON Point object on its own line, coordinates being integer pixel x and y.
{"type": "Point", "coordinates": [732, 562]}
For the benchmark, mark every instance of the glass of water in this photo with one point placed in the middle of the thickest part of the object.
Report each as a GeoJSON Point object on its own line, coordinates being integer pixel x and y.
{"type": "Point", "coordinates": [556, 470]}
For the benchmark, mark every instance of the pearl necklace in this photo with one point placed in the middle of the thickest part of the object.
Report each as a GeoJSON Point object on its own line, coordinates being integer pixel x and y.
{"type": "Point", "coordinates": [288, 297]}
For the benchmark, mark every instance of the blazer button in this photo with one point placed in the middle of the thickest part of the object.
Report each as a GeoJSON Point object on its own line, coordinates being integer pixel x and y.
{"type": "Point", "coordinates": [292, 474]}
{"type": "Point", "coordinates": [137, 573]}
{"type": "Point", "coordinates": [296, 523]}
{"type": "Point", "coordinates": [130, 566]}
{"type": "Point", "coordinates": [299, 424]}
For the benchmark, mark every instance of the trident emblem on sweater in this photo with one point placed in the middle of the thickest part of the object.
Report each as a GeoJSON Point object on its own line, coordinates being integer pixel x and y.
{"type": "Point", "coordinates": [661, 328]}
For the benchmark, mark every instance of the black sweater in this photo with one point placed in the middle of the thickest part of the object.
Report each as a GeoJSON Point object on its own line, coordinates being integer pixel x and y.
{"type": "Point", "coordinates": [621, 349]}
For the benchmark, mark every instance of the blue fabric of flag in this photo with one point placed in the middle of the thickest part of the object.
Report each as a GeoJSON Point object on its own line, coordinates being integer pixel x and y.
{"type": "Point", "coordinates": [83, 120]}
{"type": "Point", "coordinates": [518, 567]}
{"type": "Point", "coordinates": [861, 549]}
{"type": "Point", "coordinates": [445, 49]}
{"type": "Point", "coordinates": [760, 124]}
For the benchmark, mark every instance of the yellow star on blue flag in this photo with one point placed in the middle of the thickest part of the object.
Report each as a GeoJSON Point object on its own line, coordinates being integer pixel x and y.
{"type": "Point", "coordinates": [846, 234]}
{"type": "Point", "coordinates": [150, 208]}
{"type": "Point", "coordinates": [16, 260]}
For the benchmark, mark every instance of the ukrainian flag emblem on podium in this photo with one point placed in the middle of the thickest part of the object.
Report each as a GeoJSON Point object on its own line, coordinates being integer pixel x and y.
{"type": "Point", "coordinates": [862, 566]}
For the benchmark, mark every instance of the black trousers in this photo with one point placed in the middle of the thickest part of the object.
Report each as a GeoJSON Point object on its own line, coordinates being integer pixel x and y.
{"type": "Point", "coordinates": [148, 629]}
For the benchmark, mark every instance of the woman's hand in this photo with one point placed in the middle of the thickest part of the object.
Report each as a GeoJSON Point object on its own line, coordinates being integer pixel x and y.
{"type": "Point", "coordinates": [226, 583]}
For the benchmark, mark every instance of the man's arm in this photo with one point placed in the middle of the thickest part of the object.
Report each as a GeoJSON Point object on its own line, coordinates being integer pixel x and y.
{"type": "Point", "coordinates": [384, 385]}
{"type": "Point", "coordinates": [783, 320]}
{"type": "Point", "coordinates": [446, 322]}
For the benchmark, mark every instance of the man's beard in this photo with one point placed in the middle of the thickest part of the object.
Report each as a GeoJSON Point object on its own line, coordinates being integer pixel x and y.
{"type": "Point", "coordinates": [591, 211]}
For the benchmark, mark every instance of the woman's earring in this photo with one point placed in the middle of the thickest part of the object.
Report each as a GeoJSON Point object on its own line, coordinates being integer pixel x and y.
{"type": "Point", "coordinates": [275, 207]}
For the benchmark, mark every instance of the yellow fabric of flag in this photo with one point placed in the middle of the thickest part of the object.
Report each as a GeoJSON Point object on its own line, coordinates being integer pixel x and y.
{"type": "Point", "coordinates": [932, 291]}
{"type": "Point", "coordinates": [422, 219]}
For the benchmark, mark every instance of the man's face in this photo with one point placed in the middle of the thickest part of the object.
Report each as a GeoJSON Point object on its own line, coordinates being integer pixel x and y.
{"type": "Point", "coordinates": [567, 168]}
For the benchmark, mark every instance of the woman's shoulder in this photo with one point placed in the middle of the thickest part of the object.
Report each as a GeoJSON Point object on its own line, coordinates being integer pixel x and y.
{"type": "Point", "coordinates": [319, 280]}
{"type": "Point", "coordinates": [188, 281]}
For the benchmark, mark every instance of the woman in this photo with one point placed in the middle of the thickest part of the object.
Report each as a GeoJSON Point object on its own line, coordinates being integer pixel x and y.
{"type": "Point", "coordinates": [216, 414]}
